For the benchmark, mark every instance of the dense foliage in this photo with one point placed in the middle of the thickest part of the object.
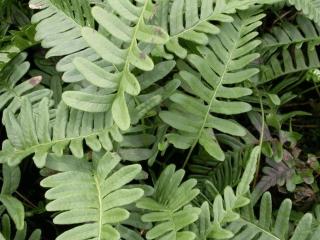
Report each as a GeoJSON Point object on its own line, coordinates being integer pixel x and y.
{"type": "Point", "coordinates": [160, 119]}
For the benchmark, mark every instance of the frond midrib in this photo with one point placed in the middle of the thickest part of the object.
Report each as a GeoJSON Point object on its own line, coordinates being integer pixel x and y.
{"type": "Point", "coordinates": [231, 52]}
{"type": "Point", "coordinates": [48, 145]}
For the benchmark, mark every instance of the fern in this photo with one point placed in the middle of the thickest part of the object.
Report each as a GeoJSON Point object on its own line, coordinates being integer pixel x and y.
{"type": "Point", "coordinates": [92, 194]}
{"type": "Point", "coordinates": [309, 7]}
{"type": "Point", "coordinates": [221, 65]}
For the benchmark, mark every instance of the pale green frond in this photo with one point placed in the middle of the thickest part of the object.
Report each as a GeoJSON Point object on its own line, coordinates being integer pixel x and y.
{"type": "Point", "coordinates": [130, 28]}
{"type": "Point", "coordinates": [94, 196]}
{"type": "Point", "coordinates": [223, 66]}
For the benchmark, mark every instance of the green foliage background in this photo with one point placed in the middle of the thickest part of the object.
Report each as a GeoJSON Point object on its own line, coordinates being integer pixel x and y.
{"type": "Point", "coordinates": [160, 119]}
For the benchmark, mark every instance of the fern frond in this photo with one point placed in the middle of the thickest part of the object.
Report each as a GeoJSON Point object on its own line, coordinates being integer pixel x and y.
{"type": "Point", "coordinates": [289, 49]}
{"type": "Point", "coordinates": [222, 66]}
{"type": "Point", "coordinates": [10, 93]}
{"type": "Point", "coordinates": [310, 8]}
{"type": "Point", "coordinates": [263, 228]}
{"type": "Point", "coordinates": [287, 33]}
{"type": "Point", "coordinates": [168, 206]}
{"type": "Point", "coordinates": [118, 80]}
{"type": "Point", "coordinates": [290, 61]}
{"type": "Point", "coordinates": [93, 195]}
{"type": "Point", "coordinates": [33, 132]}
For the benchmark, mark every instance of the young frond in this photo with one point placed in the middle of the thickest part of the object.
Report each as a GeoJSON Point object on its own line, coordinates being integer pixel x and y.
{"type": "Point", "coordinates": [310, 8]}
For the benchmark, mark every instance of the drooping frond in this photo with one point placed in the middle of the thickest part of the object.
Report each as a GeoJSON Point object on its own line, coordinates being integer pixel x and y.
{"type": "Point", "coordinates": [92, 195]}
{"type": "Point", "coordinates": [11, 92]}
{"type": "Point", "coordinates": [127, 28]}
{"type": "Point", "coordinates": [223, 65]}
{"type": "Point", "coordinates": [310, 8]}
{"type": "Point", "coordinates": [267, 228]}
{"type": "Point", "coordinates": [168, 206]}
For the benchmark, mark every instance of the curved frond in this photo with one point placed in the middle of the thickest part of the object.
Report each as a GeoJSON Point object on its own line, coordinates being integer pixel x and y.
{"type": "Point", "coordinates": [222, 66]}
{"type": "Point", "coordinates": [118, 79]}
{"type": "Point", "coordinates": [92, 194]}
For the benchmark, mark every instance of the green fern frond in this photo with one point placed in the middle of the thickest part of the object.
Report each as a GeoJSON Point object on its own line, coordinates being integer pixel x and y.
{"type": "Point", "coordinates": [92, 194]}
{"type": "Point", "coordinates": [289, 49]}
{"type": "Point", "coordinates": [310, 8]}
{"type": "Point", "coordinates": [266, 228]}
{"type": "Point", "coordinates": [287, 33]}
{"type": "Point", "coordinates": [168, 206]}
{"type": "Point", "coordinates": [10, 93]}
{"type": "Point", "coordinates": [118, 81]}
{"type": "Point", "coordinates": [69, 128]}
{"type": "Point", "coordinates": [222, 65]}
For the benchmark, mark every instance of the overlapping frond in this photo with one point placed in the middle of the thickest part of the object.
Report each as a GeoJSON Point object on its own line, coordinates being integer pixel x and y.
{"type": "Point", "coordinates": [92, 195]}
{"type": "Point", "coordinates": [126, 27]}
{"type": "Point", "coordinates": [223, 66]}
